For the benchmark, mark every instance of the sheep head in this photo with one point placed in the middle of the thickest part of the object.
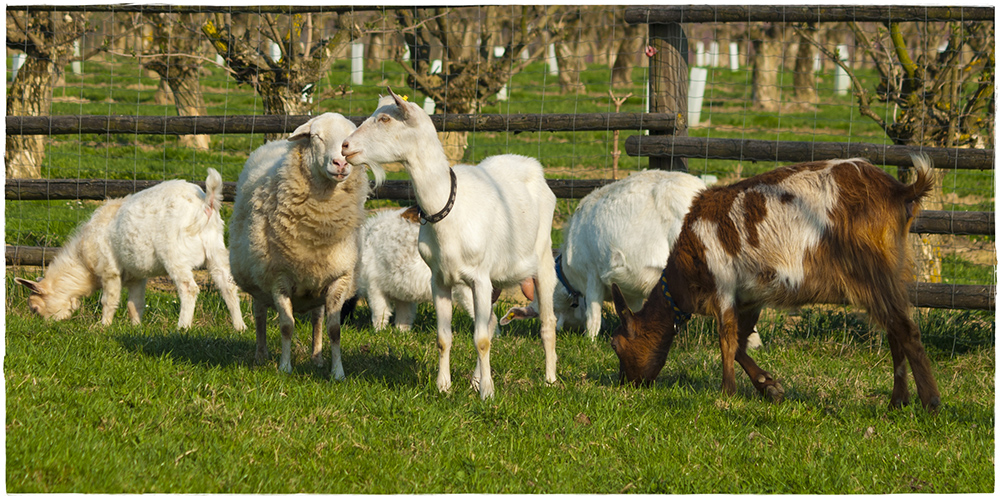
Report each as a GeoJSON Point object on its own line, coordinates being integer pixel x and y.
{"type": "Point", "coordinates": [640, 343]}
{"type": "Point", "coordinates": [46, 303]}
{"type": "Point", "coordinates": [396, 132]}
{"type": "Point", "coordinates": [325, 133]}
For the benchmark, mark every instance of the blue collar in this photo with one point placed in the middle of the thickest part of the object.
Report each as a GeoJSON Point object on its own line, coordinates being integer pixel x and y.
{"type": "Point", "coordinates": [680, 317]}
{"type": "Point", "coordinates": [573, 293]}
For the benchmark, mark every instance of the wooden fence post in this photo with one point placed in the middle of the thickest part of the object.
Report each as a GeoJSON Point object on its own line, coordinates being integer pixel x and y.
{"type": "Point", "coordinates": [668, 84]}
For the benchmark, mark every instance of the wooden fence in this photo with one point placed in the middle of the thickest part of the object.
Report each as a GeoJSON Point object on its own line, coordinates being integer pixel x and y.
{"type": "Point", "coordinates": [667, 141]}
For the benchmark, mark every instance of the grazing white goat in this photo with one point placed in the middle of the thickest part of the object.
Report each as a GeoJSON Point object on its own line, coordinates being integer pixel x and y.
{"type": "Point", "coordinates": [819, 232]}
{"type": "Point", "coordinates": [487, 225]}
{"type": "Point", "coordinates": [294, 234]}
{"type": "Point", "coordinates": [168, 229]}
{"type": "Point", "coordinates": [620, 233]}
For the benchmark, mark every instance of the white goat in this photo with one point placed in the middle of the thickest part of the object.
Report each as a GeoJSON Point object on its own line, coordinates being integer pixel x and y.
{"type": "Point", "coordinates": [294, 233]}
{"type": "Point", "coordinates": [497, 232]}
{"type": "Point", "coordinates": [620, 233]}
{"type": "Point", "coordinates": [168, 229]}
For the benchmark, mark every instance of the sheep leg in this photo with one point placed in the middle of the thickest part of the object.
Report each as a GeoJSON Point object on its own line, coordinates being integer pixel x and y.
{"type": "Point", "coordinates": [442, 308]}
{"type": "Point", "coordinates": [218, 267]}
{"type": "Point", "coordinates": [380, 308]}
{"type": "Point", "coordinates": [136, 300]}
{"type": "Point", "coordinates": [595, 301]}
{"type": "Point", "coordinates": [484, 319]}
{"type": "Point", "coordinates": [761, 379]}
{"type": "Point", "coordinates": [316, 319]}
{"type": "Point", "coordinates": [111, 295]}
{"type": "Point", "coordinates": [286, 323]}
{"type": "Point", "coordinates": [340, 291]}
{"type": "Point", "coordinates": [260, 325]}
{"type": "Point", "coordinates": [546, 312]}
{"type": "Point", "coordinates": [406, 313]}
{"type": "Point", "coordinates": [187, 290]}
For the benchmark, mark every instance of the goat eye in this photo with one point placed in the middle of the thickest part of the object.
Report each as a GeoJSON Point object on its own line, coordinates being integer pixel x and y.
{"type": "Point", "coordinates": [383, 119]}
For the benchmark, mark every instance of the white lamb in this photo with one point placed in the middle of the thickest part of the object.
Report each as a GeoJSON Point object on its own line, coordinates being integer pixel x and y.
{"type": "Point", "coordinates": [294, 233]}
{"type": "Point", "coordinates": [168, 229]}
{"type": "Point", "coordinates": [487, 226]}
{"type": "Point", "coordinates": [392, 276]}
{"type": "Point", "coordinates": [619, 234]}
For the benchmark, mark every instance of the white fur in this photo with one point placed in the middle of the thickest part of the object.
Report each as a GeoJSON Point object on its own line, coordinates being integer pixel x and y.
{"type": "Point", "coordinates": [168, 229]}
{"type": "Point", "coordinates": [392, 276]}
{"type": "Point", "coordinates": [294, 233]}
{"type": "Point", "coordinates": [498, 233]}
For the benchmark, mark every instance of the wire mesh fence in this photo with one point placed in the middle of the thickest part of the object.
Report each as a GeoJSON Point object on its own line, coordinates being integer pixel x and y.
{"type": "Point", "coordinates": [139, 93]}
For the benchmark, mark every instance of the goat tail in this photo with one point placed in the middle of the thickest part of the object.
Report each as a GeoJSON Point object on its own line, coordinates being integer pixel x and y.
{"type": "Point", "coordinates": [924, 181]}
{"type": "Point", "coordinates": [213, 190]}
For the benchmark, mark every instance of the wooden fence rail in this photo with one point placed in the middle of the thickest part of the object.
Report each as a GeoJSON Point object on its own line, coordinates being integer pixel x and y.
{"type": "Point", "coordinates": [921, 294]}
{"type": "Point", "coordinates": [59, 189]}
{"type": "Point", "coordinates": [947, 222]}
{"type": "Point", "coordinates": [663, 14]}
{"type": "Point", "coordinates": [770, 150]}
{"type": "Point", "coordinates": [209, 125]}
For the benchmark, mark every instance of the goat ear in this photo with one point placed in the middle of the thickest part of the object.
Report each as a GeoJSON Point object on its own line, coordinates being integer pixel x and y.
{"type": "Point", "coordinates": [301, 132]}
{"type": "Point", "coordinates": [518, 313]}
{"type": "Point", "coordinates": [30, 284]}
{"type": "Point", "coordinates": [620, 305]}
{"type": "Point", "coordinates": [400, 103]}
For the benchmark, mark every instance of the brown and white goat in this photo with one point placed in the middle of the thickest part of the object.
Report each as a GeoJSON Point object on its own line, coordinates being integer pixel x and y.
{"type": "Point", "coordinates": [818, 232]}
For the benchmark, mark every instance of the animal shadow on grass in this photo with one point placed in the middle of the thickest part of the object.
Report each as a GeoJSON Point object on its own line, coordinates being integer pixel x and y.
{"type": "Point", "coordinates": [196, 349]}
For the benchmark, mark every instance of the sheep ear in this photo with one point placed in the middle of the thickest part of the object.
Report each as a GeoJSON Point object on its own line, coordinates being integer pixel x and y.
{"type": "Point", "coordinates": [301, 132]}
{"type": "Point", "coordinates": [30, 284]}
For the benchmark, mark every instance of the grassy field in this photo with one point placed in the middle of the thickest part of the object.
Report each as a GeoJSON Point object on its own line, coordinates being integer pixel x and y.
{"type": "Point", "coordinates": [151, 409]}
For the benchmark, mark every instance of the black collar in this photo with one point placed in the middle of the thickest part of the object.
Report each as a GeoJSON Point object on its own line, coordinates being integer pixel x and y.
{"type": "Point", "coordinates": [573, 293]}
{"type": "Point", "coordinates": [680, 317]}
{"type": "Point", "coordinates": [434, 218]}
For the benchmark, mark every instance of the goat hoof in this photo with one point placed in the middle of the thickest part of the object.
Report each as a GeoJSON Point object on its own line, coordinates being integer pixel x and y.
{"type": "Point", "coordinates": [775, 393]}
{"type": "Point", "coordinates": [317, 360]}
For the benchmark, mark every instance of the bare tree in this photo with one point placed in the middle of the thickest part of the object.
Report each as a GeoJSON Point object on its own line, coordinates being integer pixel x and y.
{"type": "Point", "coordinates": [306, 53]}
{"type": "Point", "coordinates": [941, 93]}
{"type": "Point", "coordinates": [176, 54]}
{"type": "Point", "coordinates": [46, 38]}
{"type": "Point", "coordinates": [470, 74]}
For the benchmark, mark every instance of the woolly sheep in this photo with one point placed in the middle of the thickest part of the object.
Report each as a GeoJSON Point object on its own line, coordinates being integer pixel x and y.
{"type": "Point", "coordinates": [168, 229]}
{"type": "Point", "coordinates": [491, 226]}
{"type": "Point", "coordinates": [294, 233]}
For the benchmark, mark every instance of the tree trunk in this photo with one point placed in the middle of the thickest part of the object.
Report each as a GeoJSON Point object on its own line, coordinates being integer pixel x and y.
{"type": "Point", "coordinates": [570, 67]}
{"type": "Point", "coordinates": [628, 52]}
{"type": "Point", "coordinates": [766, 64]}
{"type": "Point", "coordinates": [189, 102]}
{"type": "Point", "coordinates": [805, 78]}
{"type": "Point", "coordinates": [29, 95]}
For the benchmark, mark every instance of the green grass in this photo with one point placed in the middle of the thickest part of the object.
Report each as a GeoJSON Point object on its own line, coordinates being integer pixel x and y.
{"type": "Point", "coordinates": [150, 409]}
{"type": "Point", "coordinates": [147, 409]}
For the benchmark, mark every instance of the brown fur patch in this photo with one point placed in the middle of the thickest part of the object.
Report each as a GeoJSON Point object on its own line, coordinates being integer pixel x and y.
{"type": "Point", "coordinates": [411, 214]}
{"type": "Point", "coordinates": [754, 210]}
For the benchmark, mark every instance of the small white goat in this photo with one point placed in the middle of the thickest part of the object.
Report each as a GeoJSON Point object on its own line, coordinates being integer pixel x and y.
{"type": "Point", "coordinates": [392, 276]}
{"type": "Point", "coordinates": [491, 226]}
{"type": "Point", "coordinates": [168, 229]}
{"type": "Point", "coordinates": [294, 234]}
